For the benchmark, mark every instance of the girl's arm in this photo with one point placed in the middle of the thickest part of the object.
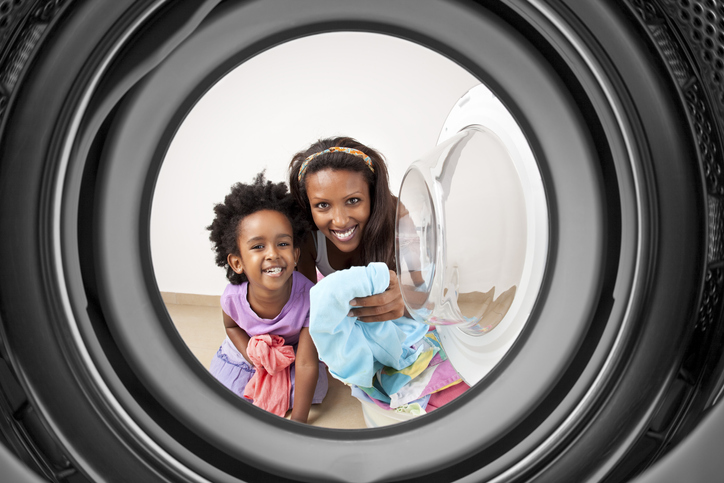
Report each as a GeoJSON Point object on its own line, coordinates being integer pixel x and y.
{"type": "Point", "coordinates": [236, 334]}
{"type": "Point", "coordinates": [306, 374]}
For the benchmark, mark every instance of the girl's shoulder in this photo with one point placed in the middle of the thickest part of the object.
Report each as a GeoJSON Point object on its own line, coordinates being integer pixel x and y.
{"type": "Point", "coordinates": [234, 289]}
{"type": "Point", "coordinates": [301, 284]}
{"type": "Point", "coordinates": [233, 293]}
{"type": "Point", "coordinates": [233, 301]}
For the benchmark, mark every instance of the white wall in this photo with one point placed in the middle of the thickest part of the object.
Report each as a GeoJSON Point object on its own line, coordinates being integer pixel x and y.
{"type": "Point", "coordinates": [388, 93]}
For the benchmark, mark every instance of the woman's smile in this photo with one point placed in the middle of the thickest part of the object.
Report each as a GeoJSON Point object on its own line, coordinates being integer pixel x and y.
{"type": "Point", "coordinates": [346, 235]}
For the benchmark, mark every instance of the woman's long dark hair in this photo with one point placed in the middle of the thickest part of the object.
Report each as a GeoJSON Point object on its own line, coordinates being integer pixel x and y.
{"type": "Point", "coordinates": [378, 243]}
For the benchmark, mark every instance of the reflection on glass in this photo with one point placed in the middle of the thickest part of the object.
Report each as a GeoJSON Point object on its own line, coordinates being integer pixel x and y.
{"type": "Point", "coordinates": [461, 233]}
{"type": "Point", "coordinates": [416, 241]}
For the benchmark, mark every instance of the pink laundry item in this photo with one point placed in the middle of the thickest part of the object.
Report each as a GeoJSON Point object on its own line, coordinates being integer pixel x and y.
{"type": "Point", "coordinates": [270, 386]}
{"type": "Point", "coordinates": [440, 398]}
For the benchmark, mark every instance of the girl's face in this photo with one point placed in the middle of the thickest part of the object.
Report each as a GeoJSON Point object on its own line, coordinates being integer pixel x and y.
{"type": "Point", "coordinates": [267, 251]}
{"type": "Point", "coordinates": [340, 202]}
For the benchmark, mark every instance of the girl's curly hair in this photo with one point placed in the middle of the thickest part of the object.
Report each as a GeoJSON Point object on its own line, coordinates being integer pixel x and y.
{"type": "Point", "coordinates": [242, 201]}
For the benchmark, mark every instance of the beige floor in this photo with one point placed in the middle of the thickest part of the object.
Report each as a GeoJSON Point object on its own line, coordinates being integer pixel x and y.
{"type": "Point", "coordinates": [202, 329]}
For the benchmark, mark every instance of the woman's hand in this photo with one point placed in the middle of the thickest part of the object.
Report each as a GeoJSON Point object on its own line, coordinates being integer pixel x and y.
{"type": "Point", "coordinates": [387, 305]}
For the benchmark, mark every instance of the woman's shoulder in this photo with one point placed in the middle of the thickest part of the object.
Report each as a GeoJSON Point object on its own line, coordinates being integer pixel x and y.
{"type": "Point", "coordinates": [308, 256]}
{"type": "Point", "coordinates": [309, 244]}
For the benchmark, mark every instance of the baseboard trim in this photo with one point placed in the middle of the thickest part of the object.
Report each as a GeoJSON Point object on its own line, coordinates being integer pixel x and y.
{"type": "Point", "coordinates": [191, 299]}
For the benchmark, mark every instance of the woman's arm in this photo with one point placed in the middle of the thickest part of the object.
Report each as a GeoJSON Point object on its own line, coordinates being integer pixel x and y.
{"type": "Point", "coordinates": [387, 305]}
{"type": "Point", "coordinates": [237, 335]}
{"type": "Point", "coordinates": [306, 374]}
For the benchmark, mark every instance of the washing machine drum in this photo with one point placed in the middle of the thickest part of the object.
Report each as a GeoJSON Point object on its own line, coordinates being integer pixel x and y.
{"type": "Point", "coordinates": [475, 281]}
{"type": "Point", "coordinates": [575, 272]}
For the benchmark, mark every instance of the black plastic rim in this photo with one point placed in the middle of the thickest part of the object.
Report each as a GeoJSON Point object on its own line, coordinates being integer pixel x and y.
{"type": "Point", "coordinates": [596, 364]}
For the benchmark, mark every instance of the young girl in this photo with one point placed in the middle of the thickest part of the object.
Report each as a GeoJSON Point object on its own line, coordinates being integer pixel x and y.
{"type": "Point", "coordinates": [343, 187]}
{"type": "Point", "coordinates": [256, 235]}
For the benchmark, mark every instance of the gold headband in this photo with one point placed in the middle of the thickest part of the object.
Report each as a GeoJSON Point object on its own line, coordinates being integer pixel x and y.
{"type": "Point", "coordinates": [354, 152]}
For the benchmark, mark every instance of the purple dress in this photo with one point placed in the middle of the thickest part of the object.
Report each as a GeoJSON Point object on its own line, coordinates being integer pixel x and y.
{"type": "Point", "coordinates": [230, 367]}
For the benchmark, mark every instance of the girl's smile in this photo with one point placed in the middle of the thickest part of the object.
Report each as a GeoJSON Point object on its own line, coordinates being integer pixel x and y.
{"type": "Point", "coordinates": [274, 271]}
{"type": "Point", "coordinates": [340, 202]}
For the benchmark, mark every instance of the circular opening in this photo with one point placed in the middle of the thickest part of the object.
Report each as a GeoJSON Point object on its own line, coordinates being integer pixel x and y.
{"type": "Point", "coordinates": [256, 117]}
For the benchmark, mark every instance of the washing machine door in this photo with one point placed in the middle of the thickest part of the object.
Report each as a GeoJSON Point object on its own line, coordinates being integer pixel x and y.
{"type": "Point", "coordinates": [476, 281]}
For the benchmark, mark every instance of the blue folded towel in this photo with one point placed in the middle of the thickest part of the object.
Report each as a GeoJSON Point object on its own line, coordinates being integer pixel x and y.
{"type": "Point", "coordinates": [353, 350]}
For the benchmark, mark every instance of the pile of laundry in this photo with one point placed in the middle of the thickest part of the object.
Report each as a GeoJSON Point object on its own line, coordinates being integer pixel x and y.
{"type": "Point", "coordinates": [399, 365]}
{"type": "Point", "coordinates": [426, 384]}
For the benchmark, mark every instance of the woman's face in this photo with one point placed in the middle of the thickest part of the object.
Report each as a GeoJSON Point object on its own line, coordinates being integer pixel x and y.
{"type": "Point", "coordinates": [340, 202]}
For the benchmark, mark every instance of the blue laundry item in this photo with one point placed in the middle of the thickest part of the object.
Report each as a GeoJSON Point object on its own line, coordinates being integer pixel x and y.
{"type": "Point", "coordinates": [391, 381]}
{"type": "Point", "coordinates": [353, 350]}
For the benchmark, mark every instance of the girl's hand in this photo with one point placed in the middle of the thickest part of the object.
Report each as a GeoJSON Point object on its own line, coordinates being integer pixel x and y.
{"type": "Point", "coordinates": [387, 305]}
{"type": "Point", "coordinates": [306, 367]}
